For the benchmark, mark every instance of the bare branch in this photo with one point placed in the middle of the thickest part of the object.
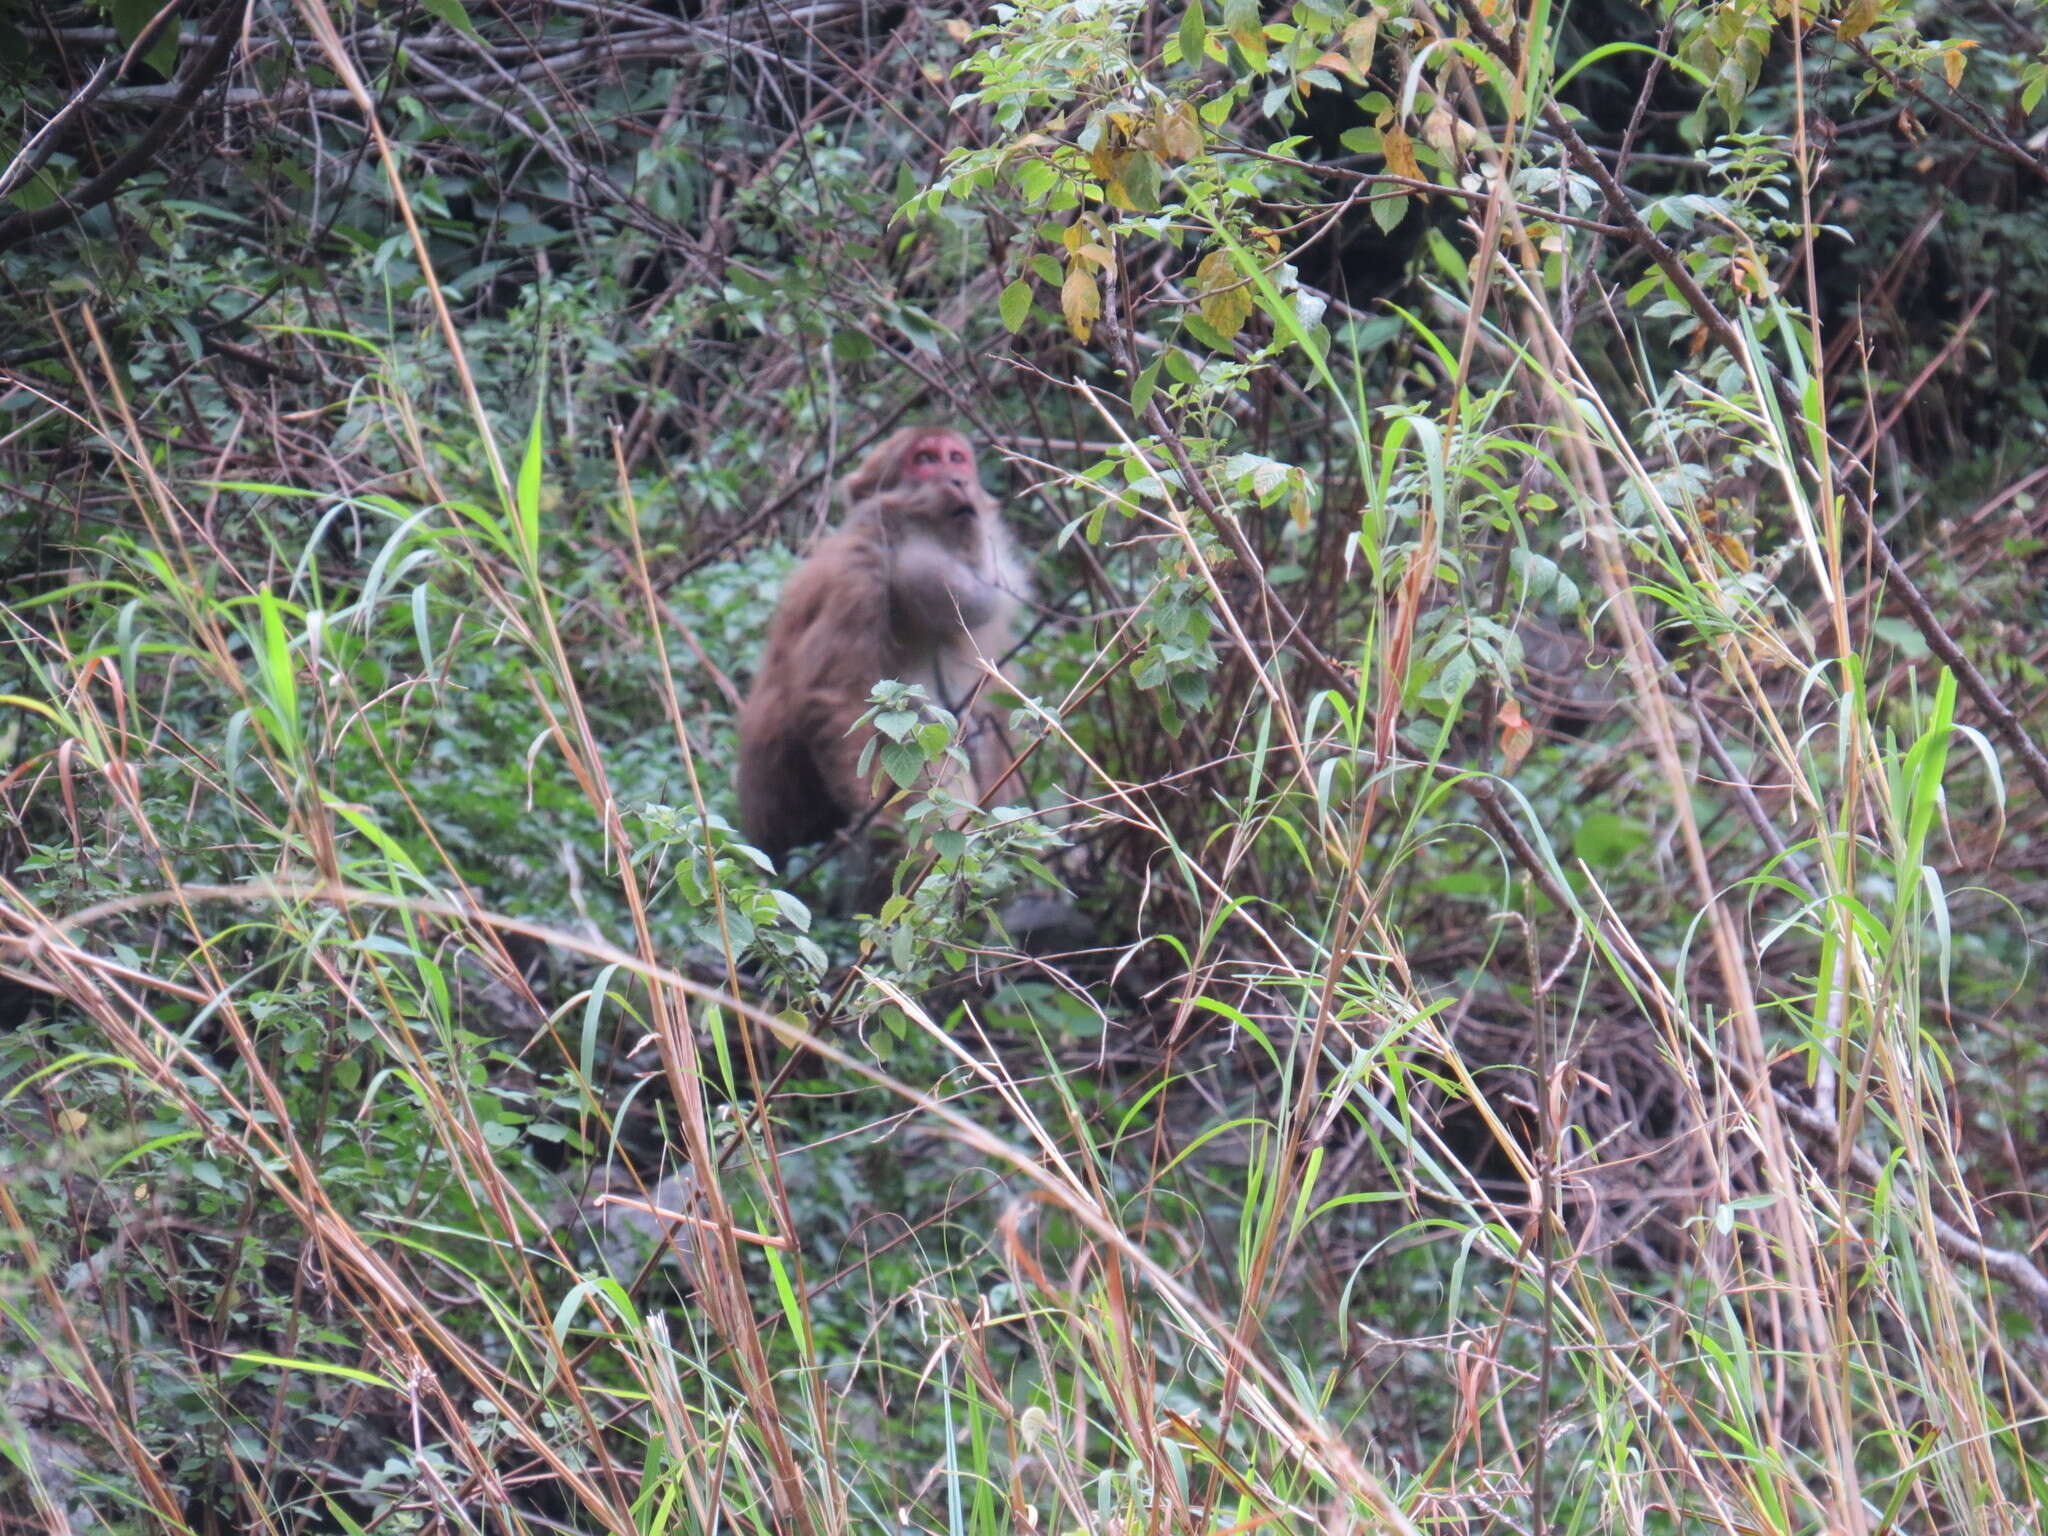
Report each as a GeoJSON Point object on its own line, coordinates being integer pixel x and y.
{"type": "Point", "coordinates": [132, 160]}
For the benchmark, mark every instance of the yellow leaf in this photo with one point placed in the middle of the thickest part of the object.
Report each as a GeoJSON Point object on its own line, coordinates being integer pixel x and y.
{"type": "Point", "coordinates": [957, 29]}
{"type": "Point", "coordinates": [1400, 152]}
{"type": "Point", "coordinates": [72, 1122]}
{"type": "Point", "coordinates": [1297, 506]}
{"type": "Point", "coordinates": [1952, 62]}
{"type": "Point", "coordinates": [1338, 63]}
{"type": "Point", "coordinates": [1099, 254]}
{"type": "Point", "coordinates": [1180, 131]}
{"type": "Point", "coordinates": [1857, 18]}
{"type": "Point", "coordinates": [1733, 550]}
{"type": "Point", "coordinates": [1449, 136]}
{"type": "Point", "coordinates": [1226, 297]}
{"type": "Point", "coordinates": [1080, 300]}
{"type": "Point", "coordinates": [1358, 40]}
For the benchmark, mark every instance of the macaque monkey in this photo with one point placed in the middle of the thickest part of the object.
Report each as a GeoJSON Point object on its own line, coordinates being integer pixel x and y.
{"type": "Point", "coordinates": [917, 584]}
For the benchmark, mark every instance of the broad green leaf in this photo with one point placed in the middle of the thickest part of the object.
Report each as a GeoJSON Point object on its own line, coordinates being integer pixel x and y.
{"type": "Point", "coordinates": [451, 11]}
{"type": "Point", "coordinates": [1135, 188]}
{"type": "Point", "coordinates": [131, 16]}
{"type": "Point", "coordinates": [1141, 392]}
{"type": "Point", "coordinates": [1015, 306]}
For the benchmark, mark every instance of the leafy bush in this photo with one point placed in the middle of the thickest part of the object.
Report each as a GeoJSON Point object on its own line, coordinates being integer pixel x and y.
{"type": "Point", "coordinates": [1530, 715]}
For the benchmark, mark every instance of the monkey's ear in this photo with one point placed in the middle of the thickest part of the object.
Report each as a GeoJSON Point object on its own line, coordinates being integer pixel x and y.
{"type": "Point", "coordinates": [863, 482]}
{"type": "Point", "coordinates": [882, 467]}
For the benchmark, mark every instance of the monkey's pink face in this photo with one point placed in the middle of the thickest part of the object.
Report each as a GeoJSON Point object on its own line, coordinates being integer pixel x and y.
{"type": "Point", "coordinates": [944, 456]}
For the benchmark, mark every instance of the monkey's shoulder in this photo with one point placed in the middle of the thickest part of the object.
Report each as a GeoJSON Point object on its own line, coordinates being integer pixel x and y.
{"type": "Point", "coordinates": [857, 549]}
{"type": "Point", "coordinates": [840, 577]}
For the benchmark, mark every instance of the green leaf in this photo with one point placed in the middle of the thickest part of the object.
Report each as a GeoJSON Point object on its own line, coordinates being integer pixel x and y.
{"type": "Point", "coordinates": [38, 191]}
{"type": "Point", "coordinates": [1194, 32]}
{"type": "Point", "coordinates": [896, 723]}
{"type": "Point", "coordinates": [386, 845]}
{"type": "Point", "coordinates": [1901, 636]}
{"type": "Point", "coordinates": [1448, 258]}
{"type": "Point", "coordinates": [1603, 839]}
{"type": "Point", "coordinates": [131, 16]}
{"type": "Point", "coordinates": [792, 1310]}
{"type": "Point", "coordinates": [529, 489]}
{"type": "Point", "coordinates": [279, 682]}
{"type": "Point", "coordinates": [1141, 392]}
{"type": "Point", "coordinates": [1206, 334]}
{"type": "Point", "coordinates": [1136, 187]}
{"type": "Point", "coordinates": [1015, 306]}
{"type": "Point", "coordinates": [451, 11]}
{"type": "Point", "coordinates": [1242, 21]}
{"type": "Point", "coordinates": [851, 347]}
{"type": "Point", "coordinates": [311, 1367]}
{"type": "Point", "coordinates": [903, 762]}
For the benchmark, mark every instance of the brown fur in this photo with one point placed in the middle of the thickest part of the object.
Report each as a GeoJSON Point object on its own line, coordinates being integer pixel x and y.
{"type": "Point", "coordinates": [918, 584]}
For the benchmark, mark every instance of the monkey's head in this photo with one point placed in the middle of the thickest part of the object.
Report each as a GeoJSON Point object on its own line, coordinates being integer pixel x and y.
{"type": "Point", "coordinates": [912, 457]}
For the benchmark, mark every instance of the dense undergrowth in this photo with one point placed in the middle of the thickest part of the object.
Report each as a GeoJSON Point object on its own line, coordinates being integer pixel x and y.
{"type": "Point", "coordinates": [1500, 996]}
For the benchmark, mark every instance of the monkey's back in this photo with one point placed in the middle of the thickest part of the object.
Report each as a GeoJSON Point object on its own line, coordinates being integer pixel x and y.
{"type": "Point", "coordinates": [821, 651]}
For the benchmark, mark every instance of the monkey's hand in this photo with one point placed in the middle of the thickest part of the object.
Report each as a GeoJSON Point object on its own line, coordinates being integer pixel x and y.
{"type": "Point", "coordinates": [938, 593]}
